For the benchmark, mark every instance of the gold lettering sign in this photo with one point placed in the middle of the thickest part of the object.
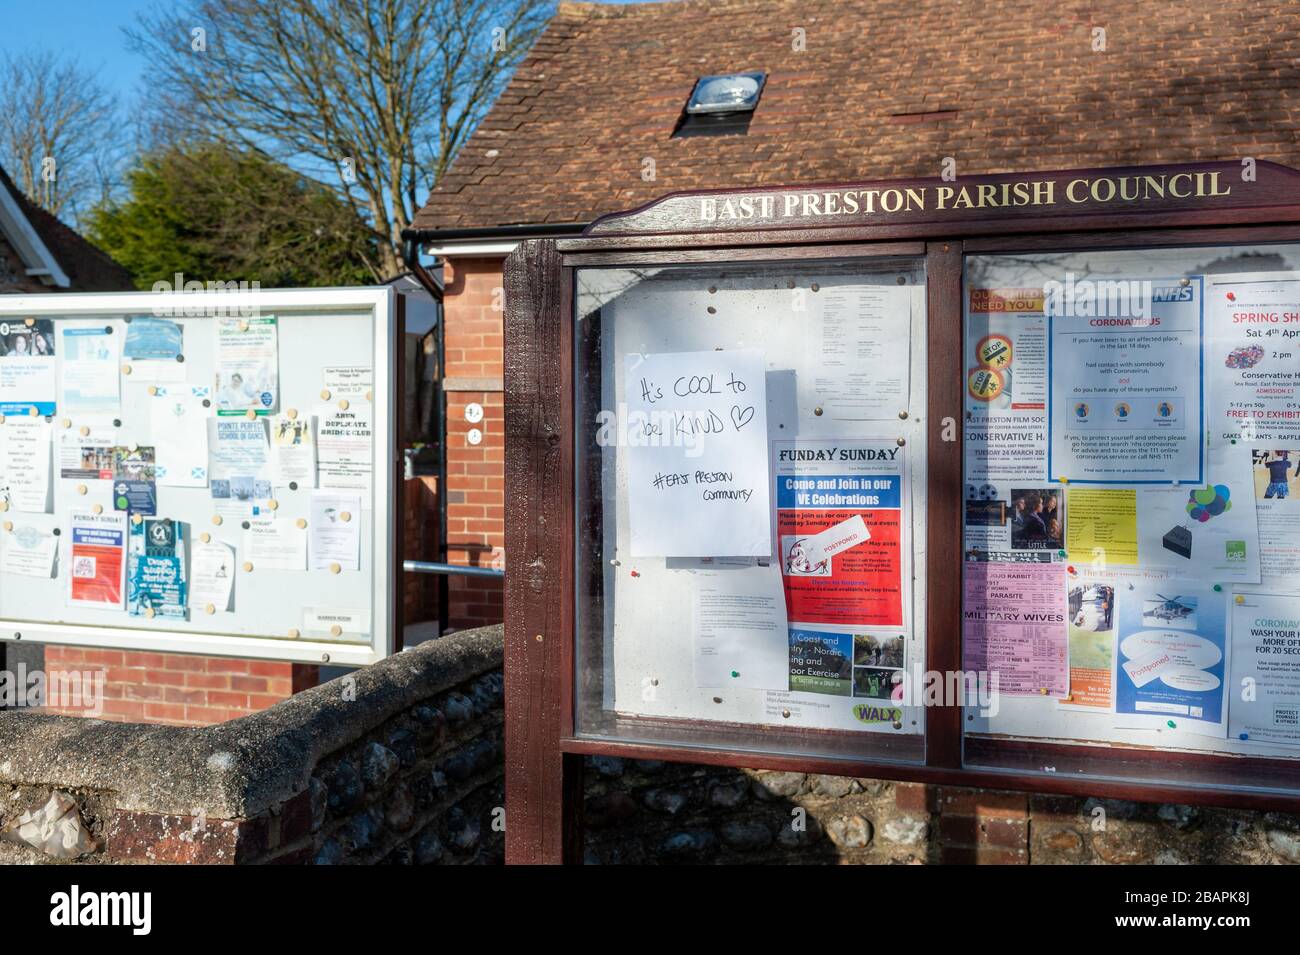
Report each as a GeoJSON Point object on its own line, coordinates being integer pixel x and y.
{"type": "Point", "coordinates": [857, 203]}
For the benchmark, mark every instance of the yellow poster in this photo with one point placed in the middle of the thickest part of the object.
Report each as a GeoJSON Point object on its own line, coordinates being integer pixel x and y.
{"type": "Point", "coordinates": [1102, 528]}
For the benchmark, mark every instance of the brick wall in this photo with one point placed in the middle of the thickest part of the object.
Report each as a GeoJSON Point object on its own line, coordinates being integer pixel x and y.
{"type": "Point", "coordinates": [420, 542]}
{"type": "Point", "coordinates": [398, 763]}
{"type": "Point", "coordinates": [402, 762]}
{"type": "Point", "coordinates": [177, 688]}
{"type": "Point", "coordinates": [475, 473]}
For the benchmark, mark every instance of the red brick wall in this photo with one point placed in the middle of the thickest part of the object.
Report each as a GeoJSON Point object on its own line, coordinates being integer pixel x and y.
{"type": "Point", "coordinates": [473, 309]}
{"type": "Point", "coordinates": [145, 687]}
{"type": "Point", "coordinates": [420, 542]}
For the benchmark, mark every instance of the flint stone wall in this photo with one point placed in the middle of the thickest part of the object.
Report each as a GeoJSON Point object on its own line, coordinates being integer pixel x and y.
{"type": "Point", "coordinates": [652, 812]}
{"type": "Point", "coordinates": [400, 762]}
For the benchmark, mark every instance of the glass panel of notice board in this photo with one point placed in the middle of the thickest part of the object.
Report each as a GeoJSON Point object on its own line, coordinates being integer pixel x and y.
{"type": "Point", "coordinates": [750, 481]}
{"type": "Point", "coordinates": [1132, 538]}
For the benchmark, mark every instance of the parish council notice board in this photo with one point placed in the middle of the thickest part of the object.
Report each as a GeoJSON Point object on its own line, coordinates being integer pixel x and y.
{"type": "Point", "coordinates": [762, 548]}
{"type": "Point", "coordinates": [1132, 483]}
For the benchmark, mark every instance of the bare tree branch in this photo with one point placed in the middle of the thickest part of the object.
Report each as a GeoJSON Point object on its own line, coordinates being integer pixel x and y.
{"type": "Point", "coordinates": [58, 132]}
{"type": "Point", "coordinates": [374, 97]}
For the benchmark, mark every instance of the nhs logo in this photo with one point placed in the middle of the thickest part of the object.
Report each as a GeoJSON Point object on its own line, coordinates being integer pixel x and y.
{"type": "Point", "coordinates": [1174, 293]}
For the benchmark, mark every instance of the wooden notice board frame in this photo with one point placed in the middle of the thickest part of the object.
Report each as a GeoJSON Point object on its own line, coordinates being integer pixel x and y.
{"type": "Point", "coordinates": [1217, 203]}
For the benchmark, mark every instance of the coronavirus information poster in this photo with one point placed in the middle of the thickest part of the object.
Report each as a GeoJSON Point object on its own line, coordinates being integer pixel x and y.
{"type": "Point", "coordinates": [1125, 373]}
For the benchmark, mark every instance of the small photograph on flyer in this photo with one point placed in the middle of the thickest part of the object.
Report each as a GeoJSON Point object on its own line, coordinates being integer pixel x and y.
{"type": "Point", "coordinates": [1015, 521]}
{"type": "Point", "coordinates": [877, 683]}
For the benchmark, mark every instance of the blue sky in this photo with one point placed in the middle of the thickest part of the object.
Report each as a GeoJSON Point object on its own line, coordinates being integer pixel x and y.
{"type": "Point", "coordinates": [90, 31]}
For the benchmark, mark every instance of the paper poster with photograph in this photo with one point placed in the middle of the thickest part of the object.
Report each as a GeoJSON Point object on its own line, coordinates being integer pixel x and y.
{"type": "Point", "coordinates": [1251, 358]}
{"type": "Point", "coordinates": [879, 660]}
{"type": "Point", "coordinates": [840, 528]}
{"type": "Point", "coordinates": [1090, 627]}
{"type": "Point", "coordinates": [293, 450]}
{"type": "Point", "coordinates": [248, 366]}
{"type": "Point", "coordinates": [28, 381]}
{"type": "Point", "coordinates": [89, 376]}
{"type": "Point", "coordinates": [153, 339]}
{"type": "Point", "coordinates": [154, 348]}
{"type": "Point", "coordinates": [1276, 474]}
{"type": "Point", "coordinates": [86, 457]}
{"type": "Point", "coordinates": [1016, 525]}
{"type": "Point", "coordinates": [240, 471]}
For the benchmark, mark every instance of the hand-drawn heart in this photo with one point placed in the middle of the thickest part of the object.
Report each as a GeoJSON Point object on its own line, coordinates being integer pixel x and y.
{"type": "Point", "coordinates": [741, 418]}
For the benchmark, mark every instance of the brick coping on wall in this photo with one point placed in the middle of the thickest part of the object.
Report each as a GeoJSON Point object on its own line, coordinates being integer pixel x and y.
{"type": "Point", "coordinates": [242, 768]}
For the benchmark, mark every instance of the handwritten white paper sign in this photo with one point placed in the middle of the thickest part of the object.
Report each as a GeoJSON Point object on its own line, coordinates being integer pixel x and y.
{"type": "Point", "coordinates": [697, 455]}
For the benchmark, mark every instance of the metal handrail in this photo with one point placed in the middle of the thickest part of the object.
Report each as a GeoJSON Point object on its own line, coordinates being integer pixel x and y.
{"type": "Point", "coordinates": [451, 570]}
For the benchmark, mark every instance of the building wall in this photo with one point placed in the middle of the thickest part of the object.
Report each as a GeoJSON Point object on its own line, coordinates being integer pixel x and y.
{"type": "Point", "coordinates": [652, 812]}
{"type": "Point", "coordinates": [400, 762]}
{"type": "Point", "coordinates": [178, 688]}
{"type": "Point", "coordinates": [420, 542]}
{"type": "Point", "coordinates": [473, 312]}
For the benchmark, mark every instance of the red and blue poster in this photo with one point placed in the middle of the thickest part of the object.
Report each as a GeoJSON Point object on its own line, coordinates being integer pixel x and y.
{"type": "Point", "coordinates": [98, 560]}
{"type": "Point", "coordinates": [839, 524]}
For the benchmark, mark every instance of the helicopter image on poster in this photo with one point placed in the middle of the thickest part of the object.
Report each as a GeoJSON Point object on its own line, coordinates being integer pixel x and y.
{"type": "Point", "coordinates": [1170, 611]}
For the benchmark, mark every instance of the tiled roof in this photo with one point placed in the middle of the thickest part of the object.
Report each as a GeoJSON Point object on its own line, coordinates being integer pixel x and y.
{"type": "Point", "coordinates": [88, 268]}
{"type": "Point", "coordinates": [883, 89]}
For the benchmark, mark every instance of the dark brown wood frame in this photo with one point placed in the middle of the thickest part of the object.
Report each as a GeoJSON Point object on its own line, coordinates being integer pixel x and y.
{"type": "Point", "coordinates": [544, 754]}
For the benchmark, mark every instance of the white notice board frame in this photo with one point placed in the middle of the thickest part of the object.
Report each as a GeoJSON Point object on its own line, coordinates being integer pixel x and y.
{"type": "Point", "coordinates": [379, 305]}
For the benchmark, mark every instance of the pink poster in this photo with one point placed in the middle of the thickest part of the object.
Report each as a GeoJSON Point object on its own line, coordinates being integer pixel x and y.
{"type": "Point", "coordinates": [1013, 625]}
